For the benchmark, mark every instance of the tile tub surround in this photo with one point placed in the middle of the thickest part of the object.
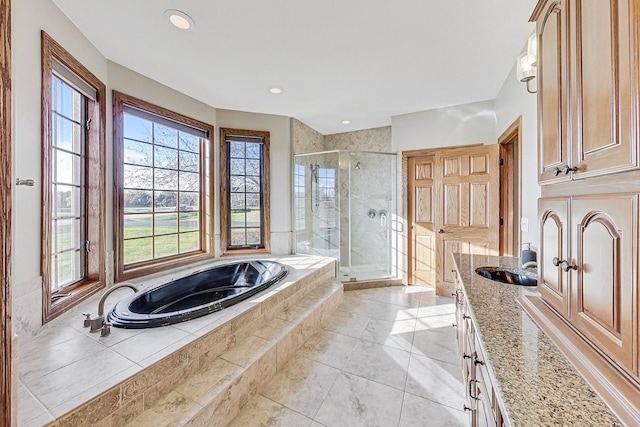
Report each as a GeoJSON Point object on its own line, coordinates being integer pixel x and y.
{"type": "Point", "coordinates": [536, 383]}
{"type": "Point", "coordinates": [67, 366]}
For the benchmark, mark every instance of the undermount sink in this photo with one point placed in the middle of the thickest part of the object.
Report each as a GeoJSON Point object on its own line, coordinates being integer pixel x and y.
{"type": "Point", "coordinates": [508, 275]}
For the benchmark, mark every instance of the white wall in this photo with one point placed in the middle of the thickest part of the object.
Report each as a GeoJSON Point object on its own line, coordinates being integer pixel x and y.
{"type": "Point", "coordinates": [280, 174]}
{"type": "Point", "coordinates": [512, 101]}
{"type": "Point", "coordinates": [442, 127]}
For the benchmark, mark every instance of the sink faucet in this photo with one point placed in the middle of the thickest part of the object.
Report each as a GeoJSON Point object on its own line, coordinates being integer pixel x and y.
{"type": "Point", "coordinates": [97, 323]}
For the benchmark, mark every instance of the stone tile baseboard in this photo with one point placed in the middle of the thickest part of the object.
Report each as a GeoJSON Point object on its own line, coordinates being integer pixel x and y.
{"type": "Point", "coordinates": [367, 284]}
{"type": "Point", "coordinates": [301, 305]}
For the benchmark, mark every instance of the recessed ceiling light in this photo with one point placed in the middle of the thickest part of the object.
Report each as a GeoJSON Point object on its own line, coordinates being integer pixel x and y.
{"type": "Point", "coordinates": [179, 19]}
{"type": "Point", "coordinates": [276, 90]}
{"type": "Point", "coordinates": [346, 122]}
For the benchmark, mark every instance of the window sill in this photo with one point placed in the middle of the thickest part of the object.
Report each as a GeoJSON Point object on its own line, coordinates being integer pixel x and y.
{"type": "Point", "coordinates": [152, 267]}
{"type": "Point", "coordinates": [78, 293]}
{"type": "Point", "coordinates": [245, 251]}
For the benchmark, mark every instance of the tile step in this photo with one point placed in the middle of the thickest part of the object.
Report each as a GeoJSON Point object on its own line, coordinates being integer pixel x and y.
{"type": "Point", "coordinates": [215, 392]}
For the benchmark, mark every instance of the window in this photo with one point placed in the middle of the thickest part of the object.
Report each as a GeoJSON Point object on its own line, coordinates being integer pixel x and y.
{"type": "Point", "coordinates": [299, 196]}
{"type": "Point", "coordinates": [73, 179]}
{"type": "Point", "coordinates": [163, 196]}
{"type": "Point", "coordinates": [245, 210]}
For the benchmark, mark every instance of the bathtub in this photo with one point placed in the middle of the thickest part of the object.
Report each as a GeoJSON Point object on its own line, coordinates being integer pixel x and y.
{"type": "Point", "coordinates": [195, 295]}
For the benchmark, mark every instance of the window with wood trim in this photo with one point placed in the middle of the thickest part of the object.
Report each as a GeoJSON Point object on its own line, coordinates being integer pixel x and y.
{"type": "Point", "coordinates": [244, 216]}
{"type": "Point", "coordinates": [163, 191]}
{"type": "Point", "coordinates": [73, 180]}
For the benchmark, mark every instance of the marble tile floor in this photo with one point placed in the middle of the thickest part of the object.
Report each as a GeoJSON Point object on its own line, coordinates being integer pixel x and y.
{"type": "Point", "coordinates": [387, 357]}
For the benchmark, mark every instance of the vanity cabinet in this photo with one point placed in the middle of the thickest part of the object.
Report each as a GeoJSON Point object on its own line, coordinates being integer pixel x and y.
{"type": "Point", "coordinates": [481, 399]}
{"type": "Point", "coordinates": [587, 88]}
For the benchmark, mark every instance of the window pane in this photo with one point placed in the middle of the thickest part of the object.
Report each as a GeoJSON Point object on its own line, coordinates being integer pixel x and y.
{"type": "Point", "coordinates": [165, 158]}
{"type": "Point", "coordinates": [189, 221]}
{"type": "Point", "coordinates": [189, 242]}
{"type": "Point", "coordinates": [166, 201]}
{"type": "Point", "coordinates": [66, 201]}
{"type": "Point", "coordinates": [138, 153]}
{"type": "Point", "coordinates": [166, 136]}
{"type": "Point", "coordinates": [67, 168]}
{"type": "Point", "coordinates": [253, 201]}
{"type": "Point", "coordinates": [253, 236]}
{"type": "Point", "coordinates": [253, 150]}
{"type": "Point", "coordinates": [138, 177]}
{"type": "Point", "coordinates": [189, 161]}
{"type": "Point", "coordinates": [137, 128]}
{"type": "Point", "coordinates": [253, 217]}
{"type": "Point", "coordinates": [165, 223]}
{"type": "Point", "coordinates": [138, 201]}
{"type": "Point", "coordinates": [236, 149]}
{"type": "Point", "coordinates": [237, 237]}
{"type": "Point", "coordinates": [165, 179]}
{"type": "Point", "coordinates": [67, 269]}
{"type": "Point", "coordinates": [237, 166]}
{"type": "Point", "coordinates": [253, 167]}
{"type": "Point", "coordinates": [238, 217]}
{"type": "Point", "coordinates": [252, 184]}
{"type": "Point", "coordinates": [137, 226]}
{"type": "Point", "coordinates": [66, 134]}
{"type": "Point", "coordinates": [189, 142]}
{"type": "Point", "coordinates": [189, 181]}
{"type": "Point", "coordinates": [66, 100]}
{"type": "Point", "coordinates": [166, 245]}
{"type": "Point", "coordinates": [189, 201]}
{"type": "Point", "coordinates": [237, 184]}
{"type": "Point", "coordinates": [137, 250]}
{"type": "Point", "coordinates": [237, 201]}
{"type": "Point", "coordinates": [67, 234]}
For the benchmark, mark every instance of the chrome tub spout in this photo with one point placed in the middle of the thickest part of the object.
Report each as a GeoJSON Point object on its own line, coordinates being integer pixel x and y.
{"type": "Point", "coordinates": [97, 324]}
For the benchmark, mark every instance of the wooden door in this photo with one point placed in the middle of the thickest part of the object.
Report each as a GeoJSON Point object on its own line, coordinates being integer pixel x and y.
{"type": "Point", "coordinates": [604, 86]}
{"type": "Point", "coordinates": [422, 240]}
{"type": "Point", "coordinates": [468, 209]}
{"type": "Point", "coordinates": [604, 246]}
{"type": "Point", "coordinates": [553, 283]}
{"type": "Point", "coordinates": [552, 91]}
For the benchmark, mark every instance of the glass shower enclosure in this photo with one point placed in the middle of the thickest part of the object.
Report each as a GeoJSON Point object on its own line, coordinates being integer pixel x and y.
{"type": "Point", "coordinates": [345, 208]}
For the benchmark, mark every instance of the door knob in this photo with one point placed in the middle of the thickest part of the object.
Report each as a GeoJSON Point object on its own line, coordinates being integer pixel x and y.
{"type": "Point", "coordinates": [440, 231]}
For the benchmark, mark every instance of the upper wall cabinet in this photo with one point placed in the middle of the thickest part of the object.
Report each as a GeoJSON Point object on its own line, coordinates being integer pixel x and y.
{"type": "Point", "coordinates": [588, 88]}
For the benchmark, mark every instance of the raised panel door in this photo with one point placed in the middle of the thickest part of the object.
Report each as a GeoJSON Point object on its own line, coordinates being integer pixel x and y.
{"type": "Point", "coordinates": [422, 240]}
{"type": "Point", "coordinates": [553, 283]}
{"type": "Point", "coordinates": [603, 265]}
{"type": "Point", "coordinates": [469, 207]}
{"type": "Point", "coordinates": [552, 92]}
{"type": "Point", "coordinates": [604, 92]}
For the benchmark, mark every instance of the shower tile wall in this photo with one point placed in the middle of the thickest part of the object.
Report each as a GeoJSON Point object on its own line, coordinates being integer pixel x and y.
{"type": "Point", "coordinates": [377, 139]}
{"type": "Point", "coordinates": [305, 139]}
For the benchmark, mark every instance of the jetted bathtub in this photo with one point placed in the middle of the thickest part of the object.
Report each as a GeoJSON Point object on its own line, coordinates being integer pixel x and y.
{"type": "Point", "coordinates": [195, 295]}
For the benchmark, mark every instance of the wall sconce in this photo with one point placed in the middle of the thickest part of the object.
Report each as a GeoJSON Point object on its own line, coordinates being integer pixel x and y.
{"type": "Point", "coordinates": [527, 61]}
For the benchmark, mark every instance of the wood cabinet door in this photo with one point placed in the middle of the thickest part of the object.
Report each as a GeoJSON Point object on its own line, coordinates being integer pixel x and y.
{"type": "Point", "coordinates": [422, 240]}
{"type": "Point", "coordinates": [552, 92]}
{"type": "Point", "coordinates": [553, 282]}
{"type": "Point", "coordinates": [605, 245]}
{"type": "Point", "coordinates": [604, 86]}
{"type": "Point", "coordinates": [468, 209]}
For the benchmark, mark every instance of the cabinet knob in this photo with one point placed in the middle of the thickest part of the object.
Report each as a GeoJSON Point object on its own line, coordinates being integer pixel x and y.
{"type": "Point", "coordinates": [566, 266]}
{"type": "Point", "coordinates": [566, 169]}
{"type": "Point", "coordinates": [555, 171]}
{"type": "Point", "coordinates": [466, 408]}
{"type": "Point", "coordinates": [466, 356]}
{"type": "Point", "coordinates": [466, 317]}
{"type": "Point", "coordinates": [556, 261]}
{"type": "Point", "coordinates": [440, 231]}
{"type": "Point", "coordinates": [477, 361]}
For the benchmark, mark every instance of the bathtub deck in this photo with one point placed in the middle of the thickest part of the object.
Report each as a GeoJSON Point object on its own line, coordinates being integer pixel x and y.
{"type": "Point", "coordinates": [68, 376]}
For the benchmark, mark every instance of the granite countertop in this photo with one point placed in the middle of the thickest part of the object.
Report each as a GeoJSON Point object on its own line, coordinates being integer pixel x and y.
{"type": "Point", "coordinates": [537, 385]}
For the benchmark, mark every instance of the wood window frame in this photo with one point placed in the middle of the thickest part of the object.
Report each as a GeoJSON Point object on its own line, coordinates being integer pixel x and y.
{"type": "Point", "coordinates": [95, 276]}
{"type": "Point", "coordinates": [123, 272]}
{"type": "Point", "coordinates": [5, 214]}
{"type": "Point", "coordinates": [225, 214]}
{"type": "Point", "coordinates": [510, 142]}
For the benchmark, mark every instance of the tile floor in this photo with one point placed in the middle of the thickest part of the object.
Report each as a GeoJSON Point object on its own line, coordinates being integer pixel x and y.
{"type": "Point", "coordinates": [387, 357]}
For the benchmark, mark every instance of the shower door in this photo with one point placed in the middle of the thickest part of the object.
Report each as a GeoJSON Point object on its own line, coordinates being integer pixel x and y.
{"type": "Point", "coordinates": [371, 202]}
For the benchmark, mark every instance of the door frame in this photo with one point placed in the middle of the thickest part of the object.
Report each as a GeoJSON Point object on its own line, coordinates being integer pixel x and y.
{"type": "Point", "coordinates": [5, 212]}
{"type": "Point", "coordinates": [407, 263]}
{"type": "Point", "coordinates": [510, 143]}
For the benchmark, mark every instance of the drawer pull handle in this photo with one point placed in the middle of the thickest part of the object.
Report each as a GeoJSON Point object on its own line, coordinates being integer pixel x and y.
{"type": "Point", "coordinates": [471, 395]}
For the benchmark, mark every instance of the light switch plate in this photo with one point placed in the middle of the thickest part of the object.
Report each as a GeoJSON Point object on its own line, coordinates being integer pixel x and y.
{"type": "Point", "coordinates": [524, 224]}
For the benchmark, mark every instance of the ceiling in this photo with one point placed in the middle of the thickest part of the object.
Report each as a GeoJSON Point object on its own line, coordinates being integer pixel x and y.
{"type": "Point", "coordinates": [358, 60]}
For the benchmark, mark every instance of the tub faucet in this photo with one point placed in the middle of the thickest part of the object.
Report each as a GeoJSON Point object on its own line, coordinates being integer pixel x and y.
{"type": "Point", "coordinates": [97, 323]}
